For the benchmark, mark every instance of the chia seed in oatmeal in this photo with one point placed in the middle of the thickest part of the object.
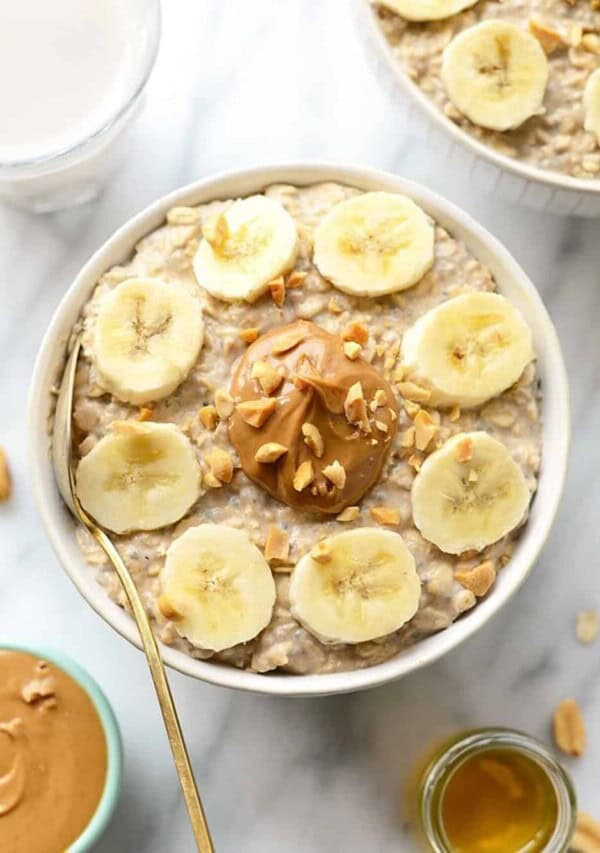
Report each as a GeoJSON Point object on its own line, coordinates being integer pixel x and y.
{"type": "Point", "coordinates": [556, 139]}
{"type": "Point", "coordinates": [202, 406]}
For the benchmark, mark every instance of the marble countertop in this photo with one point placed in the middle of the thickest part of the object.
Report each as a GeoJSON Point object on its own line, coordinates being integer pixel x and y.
{"type": "Point", "coordinates": [239, 83]}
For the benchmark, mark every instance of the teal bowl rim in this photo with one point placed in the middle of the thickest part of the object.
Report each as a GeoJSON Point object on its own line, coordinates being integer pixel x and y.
{"type": "Point", "coordinates": [114, 744]}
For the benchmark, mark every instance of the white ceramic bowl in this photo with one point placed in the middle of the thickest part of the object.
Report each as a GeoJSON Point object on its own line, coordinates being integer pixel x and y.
{"type": "Point", "coordinates": [511, 280]}
{"type": "Point", "coordinates": [508, 178]}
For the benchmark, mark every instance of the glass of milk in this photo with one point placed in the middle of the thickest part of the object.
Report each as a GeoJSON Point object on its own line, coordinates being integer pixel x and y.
{"type": "Point", "coordinates": [72, 76]}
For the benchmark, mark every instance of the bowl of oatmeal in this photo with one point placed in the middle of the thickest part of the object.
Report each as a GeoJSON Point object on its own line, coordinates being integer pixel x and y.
{"type": "Point", "coordinates": [327, 464]}
{"type": "Point", "coordinates": [509, 90]}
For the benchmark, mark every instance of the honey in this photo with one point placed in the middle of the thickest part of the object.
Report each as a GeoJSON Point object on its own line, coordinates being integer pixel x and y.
{"type": "Point", "coordinates": [498, 801]}
{"type": "Point", "coordinates": [495, 791]}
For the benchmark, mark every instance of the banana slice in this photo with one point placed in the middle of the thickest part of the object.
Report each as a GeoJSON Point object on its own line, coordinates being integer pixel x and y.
{"type": "Point", "coordinates": [468, 349]}
{"type": "Point", "coordinates": [469, 493]}
{"type": "Point", "coordinates": [218, 585]}
{"type": "Point", "coordinates": [245, 248]}
{"type": "Point", "coordinates": [146, 338]}
{"type": "Point", "coordinates": [360, 585]}
{"type": "Point", "coordinates": [495, 73]}
{"type": "Point", "coordinates": [427, 10]}
{"type": "Point", "coordinates": [373, 244]}
{"type": "Point", "coordinates": [141, 476]}
{"type": "Point", "coordinates": [591, 104]}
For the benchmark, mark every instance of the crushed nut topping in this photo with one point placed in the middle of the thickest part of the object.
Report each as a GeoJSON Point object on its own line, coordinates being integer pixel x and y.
{"type": "Point", "coordinates": [256, 412]}
{"type": "Point", "coordinates": [413, 392]}
{"type": "Point", "coordinates": [352, 350]}
{"type": "Point", "coordinates": [144, 414]}
{"type": "Point", "coordinates": [386, 515]}
{"type": "Point", "coordinates": [248, 336]}
{"type": "Point", "coordinates": [569, 728]}
{"type": "Point", "coordinates": [313, 439]}
{"type": "Point", "coordinates": [223, 403]}
{"type": "Point", "coordinates": [586, 838]}
{"type": "Point", "coordinates": [220, 464]}
{"type": "Point", "coordinates": [267, 376]}
{"type": "Point", "coordinates": [454, 414]}
{"type": "Point", "coordinates": [336, 474]}
{"type": "Point", "coordinates": [212, 481]}
{"type": "Point", "coordinates": [549, 38]}
{"type": "Point", "coordinates": [588, 626]}
{"type": "Point", "coordinates": [277, 546]}
{"type": "Point", "coordinates": [351, 513]}
{"type": "Point", "coordinates": [425, 429]}
{"type": "Point", "coordinates": [277, 290]}
{"type": "Point", "coordinates": [321, 552]}
{"type": "Point", "coordinates": [381, 426]}
{"type": "Point", "coordinates": [208, 417]}
{"type": "Point", "coordinates": [355, 407]}
{"type": "Point", "coordinates": [270, 452]}
{"type": "Point", "coordinates": [408, 437]}
{"type": "Point", "coordinates": [333, 306]}
{"type": "Point", "coordinates": [295, 279]}
{"type": "Point", "coordinates": [304, 475]}
{"type": "Point", "coordinates": [289, 341]}
{"type": "Point", "coordinates": [5, 479]}
{"type": "Point", "coordinates": [478, 580]}
{"type": "Point", "coordinates": [356, 332]}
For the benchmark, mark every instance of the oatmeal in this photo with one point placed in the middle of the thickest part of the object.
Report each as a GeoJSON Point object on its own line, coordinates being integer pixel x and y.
{"type": "Point", "coordinates": [558, 133]}
{"type": "Point", "coordinates": [292, 472]}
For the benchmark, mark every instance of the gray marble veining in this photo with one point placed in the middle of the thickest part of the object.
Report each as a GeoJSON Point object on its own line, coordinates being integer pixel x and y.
{"type": "Point", "coordinates": [237, 83]}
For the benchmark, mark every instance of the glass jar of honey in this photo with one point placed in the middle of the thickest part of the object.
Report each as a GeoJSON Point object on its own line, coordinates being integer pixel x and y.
{"type": "Point", "coordinates": [496, 791]}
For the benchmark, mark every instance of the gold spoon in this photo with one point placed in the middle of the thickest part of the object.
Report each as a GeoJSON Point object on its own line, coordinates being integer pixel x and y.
{"type": "Point", "coordinates": [63, 470]}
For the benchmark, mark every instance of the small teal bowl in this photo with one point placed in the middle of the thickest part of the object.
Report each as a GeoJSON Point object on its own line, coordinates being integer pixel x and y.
{"type": "Point", "coordinates": [114, 746]}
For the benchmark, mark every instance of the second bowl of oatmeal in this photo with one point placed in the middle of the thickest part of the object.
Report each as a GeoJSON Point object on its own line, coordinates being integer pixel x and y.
{"type": "Point", "coordinates": [538, 144]}
{"type": "Point", "coordinates": [329, 463]}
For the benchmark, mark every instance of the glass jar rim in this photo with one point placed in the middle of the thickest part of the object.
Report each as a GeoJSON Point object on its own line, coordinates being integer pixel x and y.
{"type": "Point", "coordinates": [53, 158]}
{"type": "Point", "coordinates": [481, 740]}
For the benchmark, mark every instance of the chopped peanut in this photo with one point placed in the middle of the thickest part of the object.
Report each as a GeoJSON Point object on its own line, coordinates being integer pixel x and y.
{"type": "Point", "coordinates": [270, 452]}
{"type": "Point", "coordinates": [167, 609]}
{"type": "Point", "coordinates": [355, 407]}
{"type": "Point", "coordinates": [381, 426]}
{"type": "Point", "coordinates": [549, 38]}
{"type": "Point", "coordinates": [464, 450]}
{"type": "Point", "coordinates": [333, 306]}
{"type": "Point", "coordinates": [336, 474]}
{"type": "Point", "coordinates": [144, 414]}
{"type": "Point", "coordinates": [220, 464]}
{"type": "Point", "coordinates": [586, 838]}
{"type": "Point", "coordinates": [478, 580]}
{"type": "Point", "coordinates": [415, 461]}
{"type": "Point", "coordinates": [425, 429]}
{"type": "Point", "coordinates": [380, 398]}
{"type": "Point", "coordinates": [277, 547]}
{"type": "Point", "coordinates": [256, 412]}
{"type": "Point", "coordinates": [356, 332]}
{"type": "Point", "coordinates": [351, 513]}
{"type": "Point", "coordinates": [289, 341]}
{"type": "Point", "coordinates": [398, 374]}
{"type": "Point", "coordinates": [277, 289]}
{"type": "Point", "coordinates": [408, 437]}
{"type": "Point", "coordinates": [588, 625]}
{"type": "Point", "coordinates": [5, 479]}
{"type": "Point", "coordinates": [208, 417]}
{"type": "Point", "coordinates": [352, 350]}
{"type": "Point", "coordinates": [268, 377]}
{"type": "Point", "coordinates": [223, 403]}
{"type": "Point", "coordinates": [385, 515]}
{"type": "Point", "coordinates": [411, 408]}
{"type": "Point", "coordinates": [248, 336]}
{"type": "Point", "coordinates": [393, 415]}
{"type": "Point", "coordinates": [211, 481]}
{"type": "Point", "coordinates": [304, 475]}
{"type": "Point", "coordinates": [321, 552]}
{"type": "Point", "coordinates": [313, 439]}
{"type": "Point", "coordinates": [569, 728]}
{"type": "Point", "coordinates": [454, 413]}
{"type": "Point", "coordinates": [413, 392]}
{"type": "Point", "coordinates": [295, 279]}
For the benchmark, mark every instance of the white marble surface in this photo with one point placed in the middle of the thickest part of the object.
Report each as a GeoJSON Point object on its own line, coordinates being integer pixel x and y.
{"type": "Point", "coordinates": [240, 82]}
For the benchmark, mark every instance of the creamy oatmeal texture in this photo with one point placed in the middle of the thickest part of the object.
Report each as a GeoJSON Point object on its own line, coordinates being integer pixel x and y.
{"type": "Point", "coordinates": [201, 407]}
{"type": "Point", "coordinates": [569, 31]}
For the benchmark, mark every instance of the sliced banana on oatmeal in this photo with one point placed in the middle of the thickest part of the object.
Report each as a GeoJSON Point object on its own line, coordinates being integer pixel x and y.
{"type": "Point", "coordinates": [591, 103]}
{"type": "Point", "coordinates": [468, 494]}
{"type": "Point", "coordinates": [141, 476]}
{"type": "Point", "coordinates": [355, 586]}
{"type": "Point", "coordinates": [244, 248]}
{"type": "Point", "coordinates": [373, 244]}
{"type": "Point", "coordinates": [147, 336]}
{"type": "Point", "coordinates": [468, 349]}
{"type": "Point", "coordinates": [427, 10]}
{"type": "Point", "coordinates": [216, 587]}
{"type": "Point", "coordinates": [495, 73]}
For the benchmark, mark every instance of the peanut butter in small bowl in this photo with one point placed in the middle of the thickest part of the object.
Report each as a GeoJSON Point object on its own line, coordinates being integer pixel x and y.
{"type": "Point", "coordinates": [58, 752]}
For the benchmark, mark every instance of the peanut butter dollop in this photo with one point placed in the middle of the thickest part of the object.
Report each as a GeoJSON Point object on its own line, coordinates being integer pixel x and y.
{"type": "Point", "coordinates": [53, 757]}
{"type": "Point", "coordinates": [323, 447]}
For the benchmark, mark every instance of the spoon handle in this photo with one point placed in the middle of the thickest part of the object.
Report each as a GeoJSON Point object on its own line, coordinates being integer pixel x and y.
{"type": "Point", "coordinates": [163, 691]}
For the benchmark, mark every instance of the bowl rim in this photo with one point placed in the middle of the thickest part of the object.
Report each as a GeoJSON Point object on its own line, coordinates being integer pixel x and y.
{"type": "Point", "coordinates": [114, 743]}
{"type": "Point", "coordinates": [551, 179]}
{"type": "Point", "coordinates": [59, 525]}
